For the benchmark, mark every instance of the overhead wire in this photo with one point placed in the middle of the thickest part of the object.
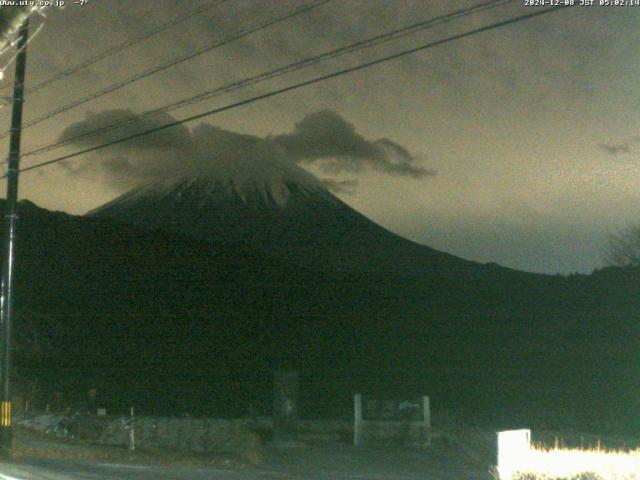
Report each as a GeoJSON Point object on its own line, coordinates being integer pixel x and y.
{"type": "Point", "coordinates": [117, 48]}
{"type": "Point", "coordinates": [274, 73]}
{"type": "Point", "coordinates": [13, 58]}
{"type": "Point", "coordinates": [159, 68]}
{"type": "Point", "coordinates": [299, 85]}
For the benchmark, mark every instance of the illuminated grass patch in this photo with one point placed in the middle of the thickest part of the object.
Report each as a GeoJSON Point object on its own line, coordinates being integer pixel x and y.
{"type": "Point", "coordinates": [583, 464]}
{"type": "Point", "coordinates": [540, 463]}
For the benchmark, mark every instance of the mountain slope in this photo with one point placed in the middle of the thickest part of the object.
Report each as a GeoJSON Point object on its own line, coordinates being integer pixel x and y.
{"type": "Point", "coordinates": [168, 323]}
{"type": "Point", "coordinates": [282, 210]}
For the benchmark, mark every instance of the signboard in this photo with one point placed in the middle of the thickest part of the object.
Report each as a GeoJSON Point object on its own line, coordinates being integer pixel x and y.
{"type": "Point", "coordinates": [410, 409]}
{"type": "Point", "coordinates": [405, 422]}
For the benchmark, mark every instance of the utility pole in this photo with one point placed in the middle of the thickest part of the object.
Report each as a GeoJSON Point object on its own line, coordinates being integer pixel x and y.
{"type": "Point", "coordinates": [6, 292]}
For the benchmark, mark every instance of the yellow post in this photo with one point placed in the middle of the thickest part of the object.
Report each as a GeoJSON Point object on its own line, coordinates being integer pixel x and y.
{"type": "Point", "coordinates": [5, 414]}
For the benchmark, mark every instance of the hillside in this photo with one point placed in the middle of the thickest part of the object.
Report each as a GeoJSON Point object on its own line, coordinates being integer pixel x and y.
{"type": "Point", "coordinates": [175, 324]}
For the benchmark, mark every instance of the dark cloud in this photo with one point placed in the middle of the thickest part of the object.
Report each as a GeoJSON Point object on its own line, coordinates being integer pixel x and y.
{"type": "Point", "coordinates": [130, 123]}
{"type": "Point", "coordinates": [625, 146]}
{"type": "Point", "coordinates": [615, 149]}
{"type": "Point", "coordinates": [324, 138]}
{"type": "Point", "coordinates": [132, 162]}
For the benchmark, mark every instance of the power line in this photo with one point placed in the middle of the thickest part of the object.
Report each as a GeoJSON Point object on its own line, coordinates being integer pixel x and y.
{"type": "Point", "coordinates": [362, 44]}
{"type": "Point", "coordinates": [118, 48]}
{"type": "Point", "coordinates": [296, 86]}
{"type": "Point", "coordinates": [121, 84]}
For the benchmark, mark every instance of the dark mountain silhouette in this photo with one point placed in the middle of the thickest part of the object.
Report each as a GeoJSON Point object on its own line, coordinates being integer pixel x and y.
{"type": "Point", "coordinates": [172, 323]}
{"type": "Point", "coordinates": [282, 210]}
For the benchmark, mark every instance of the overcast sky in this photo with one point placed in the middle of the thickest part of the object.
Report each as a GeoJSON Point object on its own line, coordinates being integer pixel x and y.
{"type": "Point", "coordinates": [519, 145]}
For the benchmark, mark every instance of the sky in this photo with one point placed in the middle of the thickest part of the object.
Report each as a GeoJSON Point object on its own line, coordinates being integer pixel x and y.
{"type": "Point", "coordinates": [517, 145]}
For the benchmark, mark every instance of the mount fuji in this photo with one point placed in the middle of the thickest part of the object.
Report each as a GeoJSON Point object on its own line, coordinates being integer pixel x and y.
{"type": "Point", "coordinates": [281, 209]}
{"type": "Point", "coordinates": [349, 304]}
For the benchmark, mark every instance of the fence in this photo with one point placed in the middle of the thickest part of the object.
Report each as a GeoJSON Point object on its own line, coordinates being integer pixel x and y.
{"type": "Point", "coordinates": [385, 421]}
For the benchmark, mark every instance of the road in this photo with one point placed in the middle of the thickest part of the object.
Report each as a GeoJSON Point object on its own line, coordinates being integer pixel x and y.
{"type": "Point", "coordinates": [311, 464]}
{"type": "Point", "coordinates": [70, 470]}
{"type": "Point", "coordinates": [79, 470]}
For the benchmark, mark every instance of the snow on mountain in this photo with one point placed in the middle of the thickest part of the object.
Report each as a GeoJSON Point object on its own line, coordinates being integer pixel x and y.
{"type": "Point", "coordinates": [279, 208]}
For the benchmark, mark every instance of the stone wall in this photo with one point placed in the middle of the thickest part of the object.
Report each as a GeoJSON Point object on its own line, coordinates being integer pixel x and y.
{"type": "Point", "coordinates": [240, 438]}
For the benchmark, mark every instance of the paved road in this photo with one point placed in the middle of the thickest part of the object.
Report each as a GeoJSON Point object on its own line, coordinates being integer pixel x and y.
{"type": "Point", "coordinates": [337, 462]}
{"type": "Point", "coordinates": [48, 469]}
{"type": "Point", "coordinates": [75, 470]}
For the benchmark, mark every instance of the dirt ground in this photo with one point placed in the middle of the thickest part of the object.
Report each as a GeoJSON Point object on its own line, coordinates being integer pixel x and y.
{"type": "Point", "coordinates": [455, 453]}
{"type": "Point", "coordinates": [450, 456]}
{"type": "Point", "coordinates": [331, 461]}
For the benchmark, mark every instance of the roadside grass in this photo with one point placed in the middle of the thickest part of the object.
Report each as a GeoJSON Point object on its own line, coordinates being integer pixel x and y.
{"type": "Point", "coordinates": [588, 460]}
{"type": "Point", "coordinates": [566, 455]}
{"type": "Point", "coordinates": [575, 457]}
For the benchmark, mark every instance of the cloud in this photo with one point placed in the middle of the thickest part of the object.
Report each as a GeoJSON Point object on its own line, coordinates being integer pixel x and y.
{"type": "Point", "coordinates": [340, 186]}
{"type": "Point", "coordinates": [323, 138]}
{"type": "Point", "coordinates": [132, 162]}
{"type": "Point", "coordinates": [626, 146]}
{"type": "Point", "coordinates": [326, 138]}
{"type": "Point", "coordinates": [615, 149]}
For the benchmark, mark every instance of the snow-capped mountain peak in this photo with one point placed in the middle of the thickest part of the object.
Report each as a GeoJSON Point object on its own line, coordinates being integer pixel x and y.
{"type": "Point", "coordinates": [279, 208]}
